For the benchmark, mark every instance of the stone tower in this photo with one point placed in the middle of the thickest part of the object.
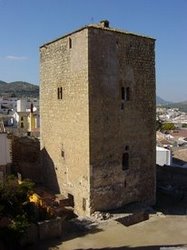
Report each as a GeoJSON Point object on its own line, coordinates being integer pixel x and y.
{"type": "Point", "coordinates": [97, 98]}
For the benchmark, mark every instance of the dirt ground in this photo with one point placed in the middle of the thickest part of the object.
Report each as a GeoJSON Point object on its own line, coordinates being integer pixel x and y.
{"type": "Point", "coordinates": [180, 154]}
{"type": "Point", "coordinates": [156, 233]}
{"type": "Point", "coordinates": [166, 229]}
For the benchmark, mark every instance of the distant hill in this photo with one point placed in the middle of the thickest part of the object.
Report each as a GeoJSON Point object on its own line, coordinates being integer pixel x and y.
{"type": "Point", "coordinates": [160, 101]}
{"type": "Point", "coordinates": [18, 89]}
{"type": "Point", "coordinates": [182, 106]}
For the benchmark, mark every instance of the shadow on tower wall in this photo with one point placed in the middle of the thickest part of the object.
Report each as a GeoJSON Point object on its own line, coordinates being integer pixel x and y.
{"type": "Point", "coordinates": [49, 177]}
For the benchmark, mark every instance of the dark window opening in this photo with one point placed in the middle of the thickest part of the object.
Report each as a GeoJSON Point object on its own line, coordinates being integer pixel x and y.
{"type": "Point", "coordinates": [125, 184]}
{"type": "Point", "coordinates": [22, 126]}
{"type": "Point", "coordinates": [22, 118]}
{"type": "Point", "coordinates": [59, 90]}
{"type": "Point", "coordinates": [122, 93]}
{"type": "Point", "coordinates": [70, 43]}
{"type": "Point", "coordinates": [84, 204]}
{"type": "Point", "coordinates": [125, 161]}
{"type": "Point", "coordinates": [126, 148]}
{"type": "Point", "coordinates": [125, 93]}
{"type": "Point", "coordinates": [62, 154]}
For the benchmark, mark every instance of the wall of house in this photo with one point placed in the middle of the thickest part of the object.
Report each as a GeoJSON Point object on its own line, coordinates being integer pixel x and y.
{"type": "Point", "coordinates": [23, 124]}
{"type": "Point", "coordinates": [21, 105]}
{"type": "Point", "coordinates": [65, 122]}
{"type": "Point", "coordinates": [24, 104]}
{"type": "Point", "coordinates": [119, 63]}
{"type": "Point", "coordinates": [5, 156]}
{"type": "Point", "coordinates": [5, 149]}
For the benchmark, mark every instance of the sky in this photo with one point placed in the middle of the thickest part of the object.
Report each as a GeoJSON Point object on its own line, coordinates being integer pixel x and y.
{"type": "Point", "coordinates": [27, 24]}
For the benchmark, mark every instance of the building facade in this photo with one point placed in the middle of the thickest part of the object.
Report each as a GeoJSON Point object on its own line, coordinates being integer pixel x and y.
{"type": "Point", "coordinates": [97, 101]}
{"type": "Point", "coordinates": [5, 153]}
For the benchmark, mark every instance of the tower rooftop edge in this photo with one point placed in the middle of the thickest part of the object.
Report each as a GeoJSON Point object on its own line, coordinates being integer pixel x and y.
{"type": "Point", "coordinates": [104, 25]}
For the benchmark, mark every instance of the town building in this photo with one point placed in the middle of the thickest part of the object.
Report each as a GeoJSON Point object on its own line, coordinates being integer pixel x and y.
{"type": "Point", "coordinates": [97, 107]}
{"type": "Point", "coordinates": [5, 153]}
{"type": "Point", "coordinates": [7, 103]}
{"type": "Point", "coordinates": [24, 104]}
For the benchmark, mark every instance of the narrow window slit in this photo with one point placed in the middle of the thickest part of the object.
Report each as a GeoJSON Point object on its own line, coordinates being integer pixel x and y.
{"type": "Point", "coordinates": [70, 43]}
{"type": "Point", "coordinates": [125, 161]}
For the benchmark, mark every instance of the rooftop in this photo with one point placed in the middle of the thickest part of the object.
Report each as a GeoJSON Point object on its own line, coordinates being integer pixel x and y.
{"type": "Point", "coordinates": [103, 25]}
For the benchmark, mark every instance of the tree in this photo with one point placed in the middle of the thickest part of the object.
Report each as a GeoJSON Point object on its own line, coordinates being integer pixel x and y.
{"type": "Point", "coordinates": [167, 126]}
{"type": "Point", "coordinates": [15, 219]}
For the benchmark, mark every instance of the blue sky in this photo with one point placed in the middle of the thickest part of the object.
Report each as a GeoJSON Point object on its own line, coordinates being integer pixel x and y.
{"type": "Point", "coordinates": [27, 24]}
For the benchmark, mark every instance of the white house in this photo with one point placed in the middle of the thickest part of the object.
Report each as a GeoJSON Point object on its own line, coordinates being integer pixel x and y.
{"type": "Point", "coordinates": [24, 104]}
{"type": "Point", "coordinates": [163, 156]}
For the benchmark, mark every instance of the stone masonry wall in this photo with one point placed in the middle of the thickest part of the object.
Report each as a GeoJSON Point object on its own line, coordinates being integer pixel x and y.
{"type": "Point", "coordinates": [65, 122]}
{"type": "Point", "coordinates": [26, 158]}
{"type": "Point", "coordinates": [117, 126]}
{"type": "Point", "coordinates": [85, 134]}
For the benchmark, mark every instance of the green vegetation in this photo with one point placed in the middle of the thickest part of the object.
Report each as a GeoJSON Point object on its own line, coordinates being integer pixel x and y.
{"type": "Point", "coordinates": [184, 125]}
{"type": "Point", "coordinates": [167, 126]}
{"type": "Point", "coordinates": [17, 213]}
{"type": "Point", "coordinates": [14, 215]}
{"type": "Point", "coordinates": [19, 89]}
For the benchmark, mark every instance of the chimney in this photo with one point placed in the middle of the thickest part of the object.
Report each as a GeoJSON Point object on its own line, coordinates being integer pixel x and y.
{"type": "Point", "coordinates": [31, 107]}
{"type": "Point", "coordinates": [104, 23]}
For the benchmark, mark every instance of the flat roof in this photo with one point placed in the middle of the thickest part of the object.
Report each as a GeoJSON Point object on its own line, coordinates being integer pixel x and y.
{"type": "Point", "coordinates": [97, 26]}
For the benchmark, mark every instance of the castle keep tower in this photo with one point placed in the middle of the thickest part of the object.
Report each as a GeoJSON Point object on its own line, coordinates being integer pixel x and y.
{"type": "Point", "coordinates": [97, 98]}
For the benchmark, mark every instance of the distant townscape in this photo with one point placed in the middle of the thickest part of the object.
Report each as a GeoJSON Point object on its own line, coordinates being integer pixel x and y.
{"type": "Point", "coordinates": [182, 106]}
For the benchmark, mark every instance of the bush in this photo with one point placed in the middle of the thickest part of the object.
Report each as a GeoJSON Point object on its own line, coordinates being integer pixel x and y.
{"type": "Point", "coordinates": [13, 196]}
{"type": "Point", "coordinates": [167, 126]}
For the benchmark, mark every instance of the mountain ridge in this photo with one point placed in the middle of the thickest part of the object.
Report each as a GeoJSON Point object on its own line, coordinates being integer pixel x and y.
{"type": "Point", "coordinates": [18, 89]}
{"type": "Point", "coordinates": [161, 101]}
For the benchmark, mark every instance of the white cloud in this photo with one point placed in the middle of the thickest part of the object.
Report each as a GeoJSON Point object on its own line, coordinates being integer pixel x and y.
{"type": "Point", "coordinates": [16, 58]}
